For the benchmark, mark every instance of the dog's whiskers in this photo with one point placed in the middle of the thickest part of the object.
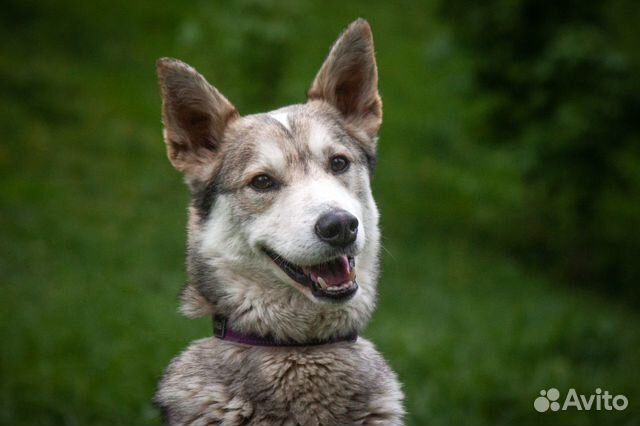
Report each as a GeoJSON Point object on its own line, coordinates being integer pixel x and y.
{"type": "Point", "coordinates": [388, 252]}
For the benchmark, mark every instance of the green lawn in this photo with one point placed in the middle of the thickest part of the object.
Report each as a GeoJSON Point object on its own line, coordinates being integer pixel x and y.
{"type": "Point", "coordinates": [92, 218]}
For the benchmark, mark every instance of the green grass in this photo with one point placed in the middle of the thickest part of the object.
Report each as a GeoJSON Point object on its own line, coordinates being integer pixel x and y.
{"type": "Point", "coordinates": [93, 220]}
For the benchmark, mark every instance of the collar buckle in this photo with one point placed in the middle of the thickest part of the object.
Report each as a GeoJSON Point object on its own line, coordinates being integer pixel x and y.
{"type": "Point", "coordinates": [219, 326]}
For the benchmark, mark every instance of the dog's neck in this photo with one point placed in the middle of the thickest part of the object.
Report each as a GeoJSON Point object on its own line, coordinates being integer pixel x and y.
{"type": "Point", "coordinates": [223, 329]}
{"type": "Point", "coordinates": [286, 317]}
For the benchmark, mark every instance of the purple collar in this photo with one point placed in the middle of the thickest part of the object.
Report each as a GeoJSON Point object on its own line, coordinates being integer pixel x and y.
{"type": "Point", "coordinates": [221, 330]}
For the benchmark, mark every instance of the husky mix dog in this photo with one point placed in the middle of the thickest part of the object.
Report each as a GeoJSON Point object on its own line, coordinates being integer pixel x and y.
{"type": "Point", "coordinates": [282, 251]}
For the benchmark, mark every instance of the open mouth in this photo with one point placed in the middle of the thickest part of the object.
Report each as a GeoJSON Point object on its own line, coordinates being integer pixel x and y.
{"type": "Point", "coordinates": [333, 280]}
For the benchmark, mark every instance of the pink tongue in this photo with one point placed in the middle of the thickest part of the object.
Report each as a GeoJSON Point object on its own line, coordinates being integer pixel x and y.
{"type": "Point", "coordinates": [334, 273]}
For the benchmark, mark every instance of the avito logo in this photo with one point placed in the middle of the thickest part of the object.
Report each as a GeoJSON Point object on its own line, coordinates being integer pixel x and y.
{"type": "Point", "coordinates": [549, 400]}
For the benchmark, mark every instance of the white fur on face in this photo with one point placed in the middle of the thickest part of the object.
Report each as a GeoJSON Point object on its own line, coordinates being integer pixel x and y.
{"type": "Point", "coordinates": [220, 240]}
{"type": "Point", "coordinates": [233, 244]}
{"type": "Point", "coordinates": [288, 228]}
{"type": "Point", "coordinates": [269, 158]}
{"type": "Point", "coordinates": [319, 139]}
{"type": "Point", "coordinates": [281, 117]}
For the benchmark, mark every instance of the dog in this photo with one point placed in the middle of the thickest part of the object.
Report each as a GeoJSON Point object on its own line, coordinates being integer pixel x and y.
{"type": "Point", "coordinates": [282, 250]}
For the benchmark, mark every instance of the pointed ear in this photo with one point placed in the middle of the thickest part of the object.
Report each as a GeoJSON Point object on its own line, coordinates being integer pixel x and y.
{"type": "Point", "coordinates": [194, 114]}
{"type": "Point", "coordinates": [348, 79]}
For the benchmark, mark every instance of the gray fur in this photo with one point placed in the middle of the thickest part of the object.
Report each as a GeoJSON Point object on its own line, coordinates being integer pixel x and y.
{"type": "Point", "coordinates": [220, 383]}
{"type": "Point", "coordinates": [216, 382]}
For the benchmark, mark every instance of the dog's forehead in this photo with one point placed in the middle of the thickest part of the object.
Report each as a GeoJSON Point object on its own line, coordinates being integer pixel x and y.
{"type": "Point", "coordinates": [285, 134]}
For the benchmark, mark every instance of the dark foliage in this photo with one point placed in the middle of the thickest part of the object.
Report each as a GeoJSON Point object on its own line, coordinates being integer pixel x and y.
{"type": "Point", "coordinates": [557, 81]}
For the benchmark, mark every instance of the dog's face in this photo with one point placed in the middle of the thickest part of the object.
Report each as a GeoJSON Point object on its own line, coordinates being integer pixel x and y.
{"type": "Point", "coordinates": [283, 230]}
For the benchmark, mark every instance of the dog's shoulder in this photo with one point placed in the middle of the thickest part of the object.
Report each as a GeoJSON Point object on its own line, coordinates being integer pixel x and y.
{"type": "Point", "coordinates": [196, 385]}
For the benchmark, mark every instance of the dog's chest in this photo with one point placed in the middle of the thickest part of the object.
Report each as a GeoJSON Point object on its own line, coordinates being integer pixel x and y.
{"type": "Point", "coordinates": [215, 382]}
{"type": "Point", "coordinates": [314, 386]}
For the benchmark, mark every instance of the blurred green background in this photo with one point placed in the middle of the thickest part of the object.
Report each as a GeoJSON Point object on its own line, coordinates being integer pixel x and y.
{"type": "Point", "coordinates": [508, 180]}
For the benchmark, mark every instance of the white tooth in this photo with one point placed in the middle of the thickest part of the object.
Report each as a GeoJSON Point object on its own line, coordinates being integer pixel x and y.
{"type": "Point", "coordinates": [322, 282]}
{"type": "Point", "coordinates": [353, 275]}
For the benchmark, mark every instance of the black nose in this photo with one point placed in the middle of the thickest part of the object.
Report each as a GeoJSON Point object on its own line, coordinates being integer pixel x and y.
{"type": "Point", "coordinates": [338, 228]}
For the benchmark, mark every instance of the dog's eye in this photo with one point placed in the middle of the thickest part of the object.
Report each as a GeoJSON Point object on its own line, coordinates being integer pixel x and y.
{"type": "Point", "coordinates": [339, 164]}
{"type": "Point", "coordinates": [262, 182]}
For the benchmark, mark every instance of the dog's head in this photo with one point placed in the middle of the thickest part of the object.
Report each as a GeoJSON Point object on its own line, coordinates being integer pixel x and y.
{"type": "Point", "coordinates": [283, 230]}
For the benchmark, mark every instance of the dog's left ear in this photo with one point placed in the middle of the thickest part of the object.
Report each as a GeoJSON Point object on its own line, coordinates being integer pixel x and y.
{"type": "Point", "coordinates": [348, 79]}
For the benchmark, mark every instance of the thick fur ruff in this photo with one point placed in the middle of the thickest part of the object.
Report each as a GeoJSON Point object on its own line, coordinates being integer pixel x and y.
{"type": "Point", "coordinates": [219, 383]}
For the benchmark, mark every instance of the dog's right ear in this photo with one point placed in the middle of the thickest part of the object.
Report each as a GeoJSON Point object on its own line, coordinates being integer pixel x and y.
{"type": "Point", "coordinates": [194, 114]}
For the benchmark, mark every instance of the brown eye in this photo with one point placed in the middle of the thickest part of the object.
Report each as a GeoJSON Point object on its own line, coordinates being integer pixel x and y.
{"type": "Point", "coordinates": [262, 183]}
{"type": "Point", "coordinates": [339, 164]}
